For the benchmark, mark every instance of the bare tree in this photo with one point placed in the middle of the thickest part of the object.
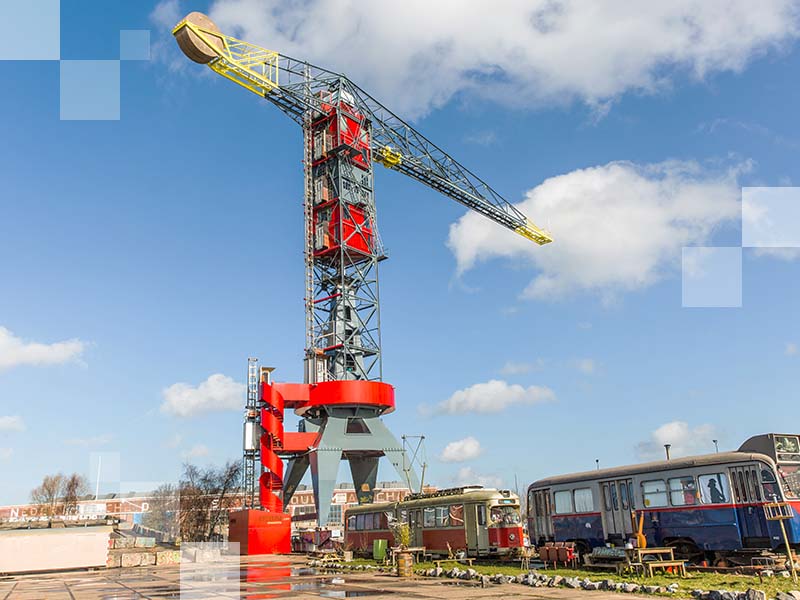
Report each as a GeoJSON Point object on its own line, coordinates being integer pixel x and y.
{"type": "Point", "coordinates": [164, 512]}
{"type": "Point", "coordinates": [206, 496]}
{"type": "Point", "coordinates": [47, 495]}
{"type": "Point", "coordinates": [75, 486]}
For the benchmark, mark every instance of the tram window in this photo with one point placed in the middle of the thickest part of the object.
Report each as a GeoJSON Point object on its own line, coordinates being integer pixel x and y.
{"type": "Point", "coordinates": [369, 521]}
{"type": "Point", "coordinates": [457, 515]}
{"type": "Point", "coordinates": [655, 493]}
{"type": "Point", "coordinates": [359, 522]}
{"type": "Point", "coordinates": [402, 515]}
{"type": "Point", "coordinates": [481, 514]}
{"type": "Point", "coordinates": [682, 491]}
{"type": "Point", "coordinates": [623, 495]}
{"type": "Point", "coordinates": [351, 522]}
{"type": "Point", "coordinates": [614, 500]}
{"type": "Point", "coordinates": [413, 522]}
{"type": "Point", "coordinates": [584, 502]}
{"type": "Point", "coordinates": [533, 505]}
{"type": "Point", "coordinates": [752, 484]}
{"type": "Point", "coordinates": [505, 515]}
{"type": "Point", "coordinates": [607, 495]}
{"type": "Point", "coordinates": [442, 516]}
{"type": "Point", "coordinates": [713, 488]}
{"type": "Point", "coordinates": [429, 516]}
{"type": "Point", "coordinates": [742, 487]}
{"type": "Point", "coordinates": [770, 485]}
{"type": "Point", "coordinates": [563, 501]}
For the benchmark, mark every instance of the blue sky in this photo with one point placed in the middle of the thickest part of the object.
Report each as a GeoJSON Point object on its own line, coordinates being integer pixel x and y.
{"type": "Point", "coordinates": [165, 248]}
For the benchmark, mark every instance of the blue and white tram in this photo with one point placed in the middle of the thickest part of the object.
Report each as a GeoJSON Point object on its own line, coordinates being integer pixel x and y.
{"type": "Point", "coordinates": [706, 507]}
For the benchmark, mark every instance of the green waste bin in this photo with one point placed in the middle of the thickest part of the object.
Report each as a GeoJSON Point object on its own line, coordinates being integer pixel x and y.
{"type": "Point", "coordinates": [379, 549]}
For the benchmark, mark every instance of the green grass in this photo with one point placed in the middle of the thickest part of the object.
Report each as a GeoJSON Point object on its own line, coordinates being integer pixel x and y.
{"type": "Point", "coordinates": [695, 581]}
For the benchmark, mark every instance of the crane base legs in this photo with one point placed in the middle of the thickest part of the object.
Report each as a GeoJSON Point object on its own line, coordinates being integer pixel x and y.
{"type": "Point", "coordinates": [260, 532]}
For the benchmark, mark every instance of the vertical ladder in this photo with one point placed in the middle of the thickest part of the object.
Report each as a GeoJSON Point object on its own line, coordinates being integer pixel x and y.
{"type": "Point", "coordinates": [308, 222]}
{"type": "Point", "coordinates": [252, 415]}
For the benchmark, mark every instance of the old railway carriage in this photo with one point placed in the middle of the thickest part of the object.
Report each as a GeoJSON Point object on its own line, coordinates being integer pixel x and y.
{"type": "Point", "coordinates": [707, 507]}
{"type": "Point", "coordinates": [482, 522]}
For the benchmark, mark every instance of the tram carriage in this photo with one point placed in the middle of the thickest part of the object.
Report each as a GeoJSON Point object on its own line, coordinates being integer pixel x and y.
{"type": "Point", "coordinates": [481, 522]}
{"type": "Point", "coordinates": [707, 507]}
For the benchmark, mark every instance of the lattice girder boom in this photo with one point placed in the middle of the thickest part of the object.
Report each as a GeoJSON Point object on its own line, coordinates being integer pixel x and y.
{"type": "Point", "coordinates": [286, 83]}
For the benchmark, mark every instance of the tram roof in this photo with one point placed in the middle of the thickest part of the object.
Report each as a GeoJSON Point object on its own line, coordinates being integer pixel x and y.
{"type": "Point", "coordinates": [719, 458]}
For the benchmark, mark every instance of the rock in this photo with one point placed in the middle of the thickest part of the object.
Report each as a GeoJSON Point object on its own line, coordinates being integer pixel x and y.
{"type": "Point", "coordinates": [795, 594]}
{"type": "Point", "coordinates": [572, 582]}
{"type": "Point", "coordinates": [672, 588]}
{"type": "Point", "coordinates": [768, 573]}
{"type": "Point", "coordinates": [650, 589]}
{"type": "Point", "coordinates": [438, 571]}
{"type": "Point", "coordinates": [471, 573]}
{"type": "Point", "coordinates": [520, 578]}
{"type": "Point", "coordinates": [630, 588]}
{"type": "Point", "coordinates": [752, 594]}
{"type": "Point", "coordinates": [590, 585]}
{"type": "Point", "coordinates": [484, 581]}
{"type": "Point", "coordinates": [556, 580]}
{"type": "Point", "coordinates": [785, 574]}
{"type": "Point", "coordinates": [784, 596]}
{"type": "Point", "coordinates": [726, 595]}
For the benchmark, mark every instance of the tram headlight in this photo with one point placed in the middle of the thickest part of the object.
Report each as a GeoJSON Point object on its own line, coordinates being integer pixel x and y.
{"type": "Point", "coordinates": [512, 537]}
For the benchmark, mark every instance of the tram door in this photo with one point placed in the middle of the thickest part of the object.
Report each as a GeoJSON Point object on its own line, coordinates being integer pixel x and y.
{"type": "Point", "coordinates": [415, 524]}
{"type": "Point", "coordinates": [475, 520]}
{"type": "Point", "coordinates": [617, 506]}
{"type": "Point", "coordinates": [747, 494]}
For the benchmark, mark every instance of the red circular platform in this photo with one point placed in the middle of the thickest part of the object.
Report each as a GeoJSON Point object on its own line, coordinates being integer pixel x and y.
{"type": "Point", "coordinates": [368, 394]}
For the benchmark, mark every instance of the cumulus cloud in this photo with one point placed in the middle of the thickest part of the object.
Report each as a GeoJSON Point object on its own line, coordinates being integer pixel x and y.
{"type": "Point", "coordinates": [785, 254]}
{"type": "Point", "coordinates": [196, 451]}
{"type": "Point", "coordinates": [618, 227]}
{"type": "Point", "coordinates": [684, 441]}
{"type": "Point", "coordinates": [218, 392]}
{"type": "Point", "coordinates": [461, 450]}
{"type": "Point", "coordinates": [15, 351]}
{"type": "Point", "coordinates": [9, 423]}
{"type": "Point", "coordinates": [468, 476]}
{"type": "Point", "coordinates": [492, 397]}
{"type": "Point", "coordinates": [519, 52]}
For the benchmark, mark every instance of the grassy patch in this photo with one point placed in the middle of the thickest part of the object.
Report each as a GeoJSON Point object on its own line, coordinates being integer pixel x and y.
{"type": "Point", "coordinates": [695, 581]}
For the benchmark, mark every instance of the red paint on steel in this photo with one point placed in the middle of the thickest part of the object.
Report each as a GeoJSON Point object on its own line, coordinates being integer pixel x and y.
{"type": "Point", "coordinates": [501, 537]}
{"type": "Point", "coordinates": [260, 532]}
{"type": "Point", "coordinates": [296, 442]}
{"type": "Point", "coordinates": [436, 540]}
{"type": "Point", "coordinates": [271, 480]}
{"type": "Point", "coordinates": [375, 394]}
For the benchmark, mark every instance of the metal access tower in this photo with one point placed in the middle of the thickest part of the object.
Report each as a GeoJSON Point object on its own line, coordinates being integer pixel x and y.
{"type": "Point", "coordinates": [345, 131]}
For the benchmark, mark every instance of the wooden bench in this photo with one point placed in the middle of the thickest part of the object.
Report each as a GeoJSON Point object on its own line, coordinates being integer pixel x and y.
{"type": "Point", "coordinates": [463, 561]}
{"type": "Point", "coordinates": [680, 565]}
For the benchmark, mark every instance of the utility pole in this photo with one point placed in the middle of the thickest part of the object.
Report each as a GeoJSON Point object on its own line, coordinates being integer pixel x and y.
{"type": "Point", "coordinates": [716, 446]}
{"type": "Point", "coordinates": [667, 447]}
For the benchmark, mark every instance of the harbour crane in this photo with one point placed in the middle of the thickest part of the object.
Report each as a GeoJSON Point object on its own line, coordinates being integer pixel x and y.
{"type": "Point", "coordinates": [345, 131]}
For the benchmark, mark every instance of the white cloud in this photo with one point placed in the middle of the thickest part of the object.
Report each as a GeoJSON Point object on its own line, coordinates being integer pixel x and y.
{"type": "Point", "coordinates": [196, 451]}
{"type": "Point", "coordinates": [468, 476]}
{"type": "Point", "coordinates": [6, 453]}
{"type": "Point", "coordinates": [520, 368]}
{"type": "Point", "coordinates": [461, 450]}
{"type": "Point", "coordinates": [786, 254]}
{"type": "Point", "coordinates": [15, 351]}
{"type": "Point", "coordinates": [167, 13]}
{"type": "Point", "coordinates": [417, 55]}
{"type": "Point", "coordinates": [790, 349]}
{"type": "Point", "coordinates": [9, 423]}
{"type": "Point", "coordinates": [683, 439]}
{"type": "Point", "coordinates": [218, 392]}
{"type": "Point", "coordinates": [97, 440]}
{"type": "Point", "coordinates": [617, 227]}
{"type": "Point", "coordinates": [492, 397]}
{"type": "Point", "coordinates": [586, 366]}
